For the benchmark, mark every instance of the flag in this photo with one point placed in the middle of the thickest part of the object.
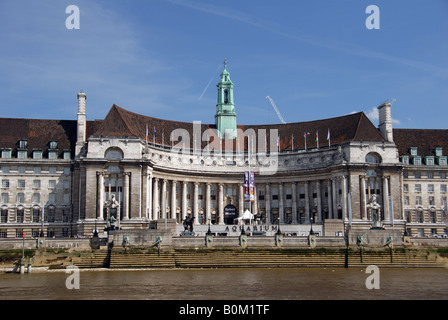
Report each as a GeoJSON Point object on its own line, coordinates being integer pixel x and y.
{"type": "Point", "coordinates": [317, 139]}
{"type": "Point", "coordinates": [146, 136]}
{"type": "Point", "coordinates": [292, 142]}
{"type": "Point", "coordinates": [304, 135]}
{"type": "Point", "coordinates": [328, 136]}
{"type": "Point", "coordinates": [278, 143]}
{"type": "Point", "coordinates": [155, 135]}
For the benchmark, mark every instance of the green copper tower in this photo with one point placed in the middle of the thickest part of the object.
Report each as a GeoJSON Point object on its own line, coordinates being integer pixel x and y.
{"type": "Point", "coordinates": [225, 117]}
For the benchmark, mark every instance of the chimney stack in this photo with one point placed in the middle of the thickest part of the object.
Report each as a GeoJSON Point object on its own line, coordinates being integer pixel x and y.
{"type": "Point", "coordinates": [385, 121]}
{"type": "Point", "coordinates": [81, 137]}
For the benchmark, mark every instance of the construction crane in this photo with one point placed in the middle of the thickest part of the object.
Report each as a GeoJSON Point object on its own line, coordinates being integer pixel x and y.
{"type": "Point", "coordinates": [276, 110]}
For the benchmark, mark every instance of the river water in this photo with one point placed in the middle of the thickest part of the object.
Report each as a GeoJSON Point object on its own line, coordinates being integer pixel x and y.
{"type": "Point", "coordinates": [229, 284]}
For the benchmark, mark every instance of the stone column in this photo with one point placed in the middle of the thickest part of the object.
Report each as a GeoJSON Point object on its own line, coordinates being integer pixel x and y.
{"type": "Point", "coordinates": [155, 200]}
{"type": "Point", "coordinates": [208, 213]}
{"type": "Point", "coordinates": [330, 200]}
{"type": "Point", "coordinates": [240, 200]}
{"type": "Point", "coordinates": [163, 199]}
{"type": "Point", "coordinates": [307, 202]}
{"type": "Point", "coordinates": [126, 195]}
{"type": "Point", "coordinates": [184, 200]}
{"type": "Point", "coordinates": [149, 196]}
{"type": "Point", "coordinates": [335, 199]}
{"type": "Point", "coordinates": [363, 198]}
{"type": "Point", "coordinates": [294, 202]}
{"type": "Point", "coordinates": [386, 198]}
{"type": "Point", "coordinates": [100, 189]}
{"type": "Point", "coordinates": [221, 204]}
{"type": "Point", "coordinates": [319, 202]}
{"type": "Point", "coordinates": [173, 200]}
{"type": "Point", "coordinates": [195, 203]}
{"type": "Point", "coordinates": [268, 203]}
{"type": "Point", "coordinates": [281, 208]}
{"type": "Point", "coordinates": [344, 198]}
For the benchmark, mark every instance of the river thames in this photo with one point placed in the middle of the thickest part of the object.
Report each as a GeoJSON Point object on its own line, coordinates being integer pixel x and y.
{"type": "Point", "coordinates": [229, 284]}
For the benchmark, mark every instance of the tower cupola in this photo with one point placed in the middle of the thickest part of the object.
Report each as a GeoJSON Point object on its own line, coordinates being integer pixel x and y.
{"type": "Point", "coordinates": [225, 117]}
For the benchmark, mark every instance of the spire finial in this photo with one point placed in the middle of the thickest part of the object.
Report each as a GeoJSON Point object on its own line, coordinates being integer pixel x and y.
{"type": "Point", "coordinates": [225, 62]}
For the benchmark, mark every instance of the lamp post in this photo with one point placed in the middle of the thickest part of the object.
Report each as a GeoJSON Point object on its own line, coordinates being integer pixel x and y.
{"type": "Point", "coordinates": [311, 221]}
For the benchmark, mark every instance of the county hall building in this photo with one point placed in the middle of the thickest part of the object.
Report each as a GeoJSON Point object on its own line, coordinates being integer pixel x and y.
{"type": "Point", "coordinates": [64, 177]}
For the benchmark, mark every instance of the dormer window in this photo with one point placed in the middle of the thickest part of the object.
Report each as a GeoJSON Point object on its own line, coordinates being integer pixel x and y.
{"type": "Point", "coordinates": [37, 154]}
{"type": "Point", "coordinates": [6, 153]}
{"type": "Point", "coordinates": [53, 144]}
{"type": "Point", "coordinates": [66, 154]}
{"type": "Point", "coordinates": [405, 160]}
{"type": "Point", "coordinates": [23, 144]}
{"type": "Point", "coordinates": [413, 151]}
{"type": "Point", "coordinates": [429, 160]}
{"type": "Point", "coordinates": [417, 161]}
{"type": "Point", "coordinates": [52, 154]}
{"type": "Point", "coordinates": [438, 152]}
{"type": "Point", "coordinates": [442, 161]}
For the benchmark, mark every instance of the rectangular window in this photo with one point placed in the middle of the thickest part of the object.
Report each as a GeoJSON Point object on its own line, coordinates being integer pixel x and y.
{"type": "Point", "coordinates": [405, 188]}
{"type": "Point", "coordinates": [36, 197]}
{"type": "Point", "coordinates": [443, 188]}
{"type": "Point", "coordinates": [20, 197]}
{"type": "Point", "coordinates": [66, 155]}
{"type": "Point", "coordinates": [417, 175]}
{"type": "Point", "coordinates": [5, 197]}
{"type": "Point", "coordinates": [37, 154]}
{"type": "Point", "coordinates": [37, 170]}
{"type": "Point", "coordinates": [21, 170]}
{"type": "Point", "coordinates": [405, 160]}
{"type": "Point", "coordinates": [418, 200]}
{"type": "Point", "coordinates": [442, 161]}
{"type": "Point", "coordinates": [406, 200]}
{"type": "Point", "coordinates": [6, 153]}
{"type": "Point", "coordinates": [51, 184]}
{"type": "Point", "coordinates": [20, 215]}
{"type": "Point", "coordinates": [418, 188]}
{"type": "Point", "coordinates": [442, 175]}
{"type": "Point", "coordinates": [65, 215]}
{"type": "Point", "coordinates": [52, 198]}
{"type": "Point", "coordinates": [5, 183]}
{"type": "Point", "coordinates": [36, 215]}
{"type": "Point", "coordinates": [417, 161]}
{"type": "Point", "coordinates": [36, 184]}
{"type": "Point", "coordinates": [430, 188]}
{"type": "Point", "coordinates": [430, 175]}
{"type": "Point", "coordinates": [431, 201]}
{"type": "Point", "coordinates": [52, 155]}
{"type": "Point", "coordinates": [4, 216]}
{"type": "Point", "coordinates": [429, 161]}
{"type": "Point", "coordinates": [21, 154]}
{"type": "Point", "coordinates": [66, 199]}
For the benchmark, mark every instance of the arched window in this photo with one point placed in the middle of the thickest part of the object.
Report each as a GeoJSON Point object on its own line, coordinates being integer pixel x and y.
{"type": "Point", "coordinates": [113, 154]}
{"type": "Point", "coordinates": [373, 158]}
{"type": "Point", "coordinates": [226, 96]}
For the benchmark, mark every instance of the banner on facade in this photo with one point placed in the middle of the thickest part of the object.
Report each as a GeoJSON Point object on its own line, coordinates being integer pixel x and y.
{"type": "Point", "coordinates": [246, 186]}
{"type": "Point", "coordinates": [252, 186]}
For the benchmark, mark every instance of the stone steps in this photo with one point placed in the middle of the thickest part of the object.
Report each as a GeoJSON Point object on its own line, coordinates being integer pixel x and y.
{"type": "Point", "coordinates": [232, 259]}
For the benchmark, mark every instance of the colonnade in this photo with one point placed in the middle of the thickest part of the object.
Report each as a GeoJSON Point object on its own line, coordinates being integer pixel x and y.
{"type": "Point", "coordinates": [299, 200]}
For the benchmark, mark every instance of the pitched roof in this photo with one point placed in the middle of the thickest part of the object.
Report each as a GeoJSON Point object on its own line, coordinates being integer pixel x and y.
{"type": "Point", "coordinates": [426, 140]}
{"type": "Point", "coordinates": [353, 127]}
{"type": "Point", "coordinates": [39, 133]}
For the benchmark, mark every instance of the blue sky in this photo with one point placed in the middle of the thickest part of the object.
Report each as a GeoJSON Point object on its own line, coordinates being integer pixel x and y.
{"type": "Point", "coordinates": [315, 59]}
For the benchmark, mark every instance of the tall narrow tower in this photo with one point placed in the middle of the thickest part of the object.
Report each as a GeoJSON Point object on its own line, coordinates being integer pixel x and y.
{"type": "Point", "coordinates": [81, 136]}
{"type": "Point", "coordinates": [225, 117]}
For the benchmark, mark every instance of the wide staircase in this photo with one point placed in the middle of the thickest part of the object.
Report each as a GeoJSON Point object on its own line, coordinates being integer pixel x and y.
{"type": "Point", "coordinates": [257, 259]}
